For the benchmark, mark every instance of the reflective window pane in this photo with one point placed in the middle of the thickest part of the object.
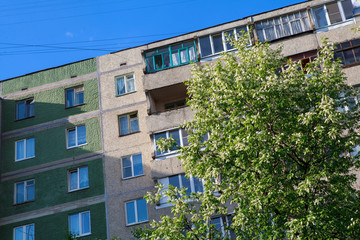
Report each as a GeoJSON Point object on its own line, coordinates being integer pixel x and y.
{"type": "Point", "coordinates": [142, 210]}
{"type": "Point", "coordinates": [71, 138]}
{"type": "Point", "coordinates": [20, 194]}
{"type": "Point", "coordinates": [20, 146]}
{"type": "Point", "coordinates": [30, 147]}
{"type": "Point", "coordinates": [85, 223]}
{"type": "Point", "coordinates": [84, 177]}
{"type": "Point", "coordinates": [74, 224]}
{"type": "Point", "coordinates": [81, 134]}
{"type": "Point", "coordinates": [320, 16]}
{"type": "Point", "coordinates": [130, 83]}
{"type": "Point", "coordinates": [138, 167]}
{"type": "Point", "coordinates": [130, 212]}
{"type": "Point", "coordinates": [70, 97]}
{"type": "Point", "coordinates": [205, 46]}
{"type": "Point", "coordinates": [120, 85]}
{"type": "Point", "coordinates": [124, 125]}
{"type": "Point", "coordinates": [218, 43]}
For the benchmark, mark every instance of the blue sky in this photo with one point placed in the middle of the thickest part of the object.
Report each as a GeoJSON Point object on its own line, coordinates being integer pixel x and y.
{"type": "Point", "coordinates": [40, 34]}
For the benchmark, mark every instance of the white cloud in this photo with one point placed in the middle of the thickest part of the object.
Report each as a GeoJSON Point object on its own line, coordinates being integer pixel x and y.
{"type": "Point", "coordinates": [69, 34]}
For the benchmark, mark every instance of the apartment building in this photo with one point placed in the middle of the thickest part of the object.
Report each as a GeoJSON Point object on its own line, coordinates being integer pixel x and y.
{"type": "Point", "coordinates": [52, 163]}
{"type": "Point", "coordinates": [107, 113]}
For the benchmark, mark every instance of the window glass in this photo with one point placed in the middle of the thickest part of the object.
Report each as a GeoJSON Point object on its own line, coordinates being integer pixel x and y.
{"type": "Point", "coordinates": [357, 54]}
{"type": "Point", "coordinates": [270, 33]}
{"type": "Point", "coordinates": [184, 56]}
{"type": "Point", "coordinates": [130, 83]}
{"type": "Point", "coordinates": [158, 61]}
{"type": "Point", "coordinates": [296, 27]}
{"type": "Point", "coordinates": [134, 124]}
{"type": "Point", "coordinates": [142, 210]}
{"type": "Point", "coordinates": [30, 147]}
{"type": "Point", "coordinates": [73, 180]}
{"type": "Point", "coordinates": [138, 167]}
{"type": "Point", "coordinates": [348, 8]}
{"type": "Point", "coordinates": [320, 16]}
{"type": "Point", "coordinates": [229, 35]}
{"type": "Point", "coordinates": [205, 46]}
{"type": "Point", "coordinates": [30, 190]}
{"type": "Point", "coordinates": [25, 232]}
{"type": "Point", "coordinates": [150, 64]}
{"type": "Point", "coordinates": [175, 135]}
{"type": "Point", "coordinates": [130, 212]}
{"type": "Point", "coordinates": [174, 181]}
{"type": "Point", "coordinates": [127, 172]}
{"type": "Point", "coordinates": [84, 179]}
{"type": "Point", "coordinates": [349, 56]}
{"type": "Point", "coordinates": [175, 58]}
{"type": "Point", "coordinates": [20, 153]}
{"type": "Point", "coordinates": [71, 138]}
{"type": "Point", "coordinates": [85, 223]}
{"type": "Point", "coordinates": [192, 54]}
{"type": "Point", "coordinates": [157, 137]}
{"type": "Point", "coordinates": [120, 85]}
{"type": "Point", "coordinates": [334, 12]}
{"type": "Point", "coordinates": [20, 192]}
{"type": "Point", "coordinates": [198, 185]}
{"type": "Point", "coordinates": [20, 110]}
{"type": "Point", "coordinates": [74, 224]}
{"type": "Point", "coordinates": [81, 134]}
{"type": "Point", "coordinates": [186, 183]}
{"type": "Point", "coordinates": [218, 43]}
{"type": "Point", "coordinates": [124, 126]}
{"type": "Point", "coordinates": [166, 59]}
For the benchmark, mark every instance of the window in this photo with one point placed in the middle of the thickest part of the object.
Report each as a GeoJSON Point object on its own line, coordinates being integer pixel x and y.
{"type": "Point", "coordinates": [175, 105]}
{"type": "Point", "coordinates": [25, 109]}
{"type": "Point", "coordinates": [179, 135]}
{"type": "Point", "coordinates": [78, 178]}
{"type": "Point", "coordinates": [128, 123]}
{"type": "Point", "coordinates": [74, 96]}
{"type": "Point", "coordinates": [348, 52]}
{"type": "Point", "coordinates": [136, 211]}
{"type": "Point", "coordinates": [304, 57]}
{"type": "Point", "coordinates": [24, 191]}
{"type": "Point", "coordinates": [125, 84]}
{"type": "Point", "coordinates": [332, 13]}
{"type": "Point", "coordinates": [192, 184]}
{"type": "Point", "coordinates": [24, 149]}
{"type": "Point", "coordinates": [76, 136]}
{"type": "Point", "coordinates": [132, 166]}
{"type": "Point", "coordinates": [26, 232]}
{"type": "Point", "coordinates": [217, 43]}
{"type": "Point", "coordinates": [220, 225]}
{"type": "Point", "coordinates": [171, 56]}
{"type": "Point", "coordinates": [283, 26]}
{"type": "Point", "coordinates": [79, 224]}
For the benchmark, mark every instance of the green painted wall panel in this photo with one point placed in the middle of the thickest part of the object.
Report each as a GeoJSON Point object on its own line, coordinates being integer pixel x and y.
{"type": "Point", "coordinates": [51, 188]}
{"type": "Point", "coordinates": [50, 105]}
{"type": "Point", "coordinates": [49, 76]}
{"type": "Point", "coordinates": [50, 145]}
{"type": "Point", "coordinates": [55, 227]}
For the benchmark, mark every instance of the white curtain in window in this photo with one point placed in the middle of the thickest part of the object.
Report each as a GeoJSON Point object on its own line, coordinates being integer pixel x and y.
{"type": "Point", "coordinates": [175, 58]}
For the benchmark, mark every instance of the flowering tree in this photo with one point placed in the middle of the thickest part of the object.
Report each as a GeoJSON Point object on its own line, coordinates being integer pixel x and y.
{"type": "Point", "coordinates": [279, 162]}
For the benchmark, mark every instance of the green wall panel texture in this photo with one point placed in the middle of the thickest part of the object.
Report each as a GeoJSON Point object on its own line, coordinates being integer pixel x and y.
{"type": "Point", "coordinates": [49, 76]}
{"type": "Point", "coordinates": [55, 227]}
{"type": "Point", "coordinates": [50, 145]}
{"type": "Point", "coordinates": [50, 105]}
{"type": "Point", "coordinates": [51, 188]}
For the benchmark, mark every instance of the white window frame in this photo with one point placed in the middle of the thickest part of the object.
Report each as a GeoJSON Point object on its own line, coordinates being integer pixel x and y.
{"type": "Point", "coordinates": [136, 213]}
{"type": "Point", "coordinates": [329, 24]}
{"type": "Point", "coordinates": [223, 37]}
{"type": "Point", "coordinates": [25, 148]}
{"type": "Point", "coordinates": [165, 182]}
{"type": "Point", "coordinates": [80, 223]}
{"type": "Point", "coordinates": [76, 137]}
{"type": "Point", "coordinates": [132, 166]}
{"type": "Point", "coordinates": [126, 77]}
{"type": "Point", "coordinates": [223, 225]}
{"type": "Point", "coordinates": [129, 123]}
{"type": "Point", "coordinates": [78, 178]}
{"type": "Point", "coordinates": [26, 114]}
{"type": "Point", "coordinates": [77, 89]}
{"type": "Point", "coordinates": [26, 186]}
{"type": "Point", "coordinates": [281, 23]}
{"type": "Point", "coordinates": [24, 236]}
{"type": "Point", "coordinates": [172, 152]}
